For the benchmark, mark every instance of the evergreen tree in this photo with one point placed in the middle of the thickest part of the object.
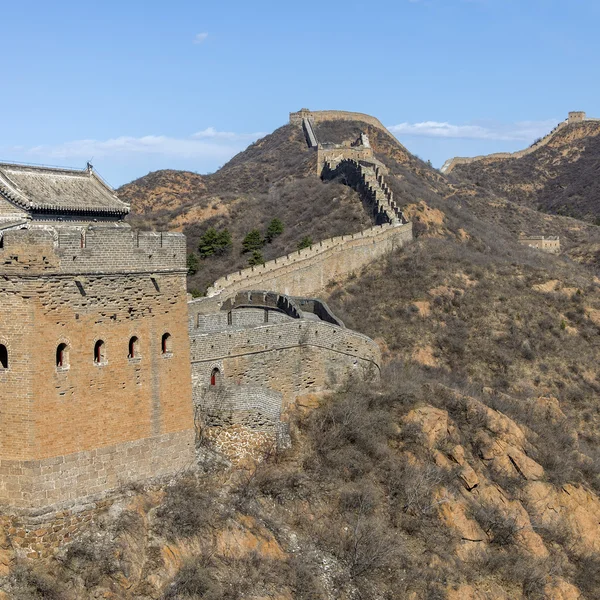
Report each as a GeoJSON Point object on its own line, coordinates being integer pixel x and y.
{"type": "Point", "coordinates": [214, 242]}
{"type": "Point", "coordinates": [253, 241]}
{"type": "Point", "coordinates": [306, 242]}
{"type": "Point", "coordinates": [224, 241]}
{"type": "Point", "coordinates": [274, 229]}
{"type": "Point", "coordinates": [193, 264]}
{"type": "Point", "coordinates": [257, 258]}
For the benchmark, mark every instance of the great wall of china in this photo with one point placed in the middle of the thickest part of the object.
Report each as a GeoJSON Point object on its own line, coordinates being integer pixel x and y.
{"type": "Point", "coordinates": [574, 117]}
{"type": "Point", "coordinates": [110, 375]}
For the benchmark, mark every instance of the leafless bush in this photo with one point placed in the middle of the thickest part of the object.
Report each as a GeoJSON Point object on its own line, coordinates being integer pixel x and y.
{"type": "Point", "coordinates": [501, 527]}
{"type": "Point", "coordinates": [92, 558]}
{"type": "Point", "coordinates": [194, 580]}
{"type": "Point", "coordinates": [189, 506]}
{"type": "Point", "coordinates": [29, 583]}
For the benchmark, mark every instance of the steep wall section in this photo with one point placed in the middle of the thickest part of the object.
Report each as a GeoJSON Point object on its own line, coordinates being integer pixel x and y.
{"type": "Point", "coordinates": [307, 272]}
{"type": "Point", "coordinates": [368, 180]}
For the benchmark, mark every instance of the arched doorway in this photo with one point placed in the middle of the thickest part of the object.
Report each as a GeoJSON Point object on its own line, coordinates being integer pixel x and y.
{"type": "Point", "coordinates": [215, 377]}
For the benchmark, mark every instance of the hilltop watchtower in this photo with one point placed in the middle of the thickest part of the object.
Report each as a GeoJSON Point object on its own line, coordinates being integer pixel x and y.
{"type": "Point", "coordinates": [576, 116]}
{"type": "Point", "coordinates": [95, 380]}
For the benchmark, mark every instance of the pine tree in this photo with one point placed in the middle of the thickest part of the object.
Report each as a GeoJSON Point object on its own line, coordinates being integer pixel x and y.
{"type": "Point", "coordinates": [214, 242]}
{"type": "Point", "coordinates": [253, 241]}
{"type": "Point", "coordinates": [193, 264]}
{"type": "Point", "coordinates": [224, 242]}
{"type": "Point", "coordinates": [306, 242]}
{"type": "Point", "coordinates": [257, 258]}
{"type": "Point", "coordinates": [274, 229]}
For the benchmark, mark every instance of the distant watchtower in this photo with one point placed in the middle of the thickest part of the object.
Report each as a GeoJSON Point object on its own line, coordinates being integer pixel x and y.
{"type": "Point", "coordinates": [95, 380]}
{"type": "Point", "coordinates": [576, 117]}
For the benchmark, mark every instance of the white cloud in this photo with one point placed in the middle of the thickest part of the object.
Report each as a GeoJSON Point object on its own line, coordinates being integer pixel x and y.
{"type": "Point", "coordinates": [520, 131]}
{"type": "Point", "coordinates": [209, 143]}
{"type": "Point", "coordinates": [200, 37]}
{"type": "Point", "coordinates": [211, 132]}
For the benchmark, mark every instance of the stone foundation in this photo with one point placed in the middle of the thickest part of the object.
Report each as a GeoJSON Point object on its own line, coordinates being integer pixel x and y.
{"type": "Point", "coordinates": [57, 482]}
{"type": "Point", "coordinates": [240, 444]}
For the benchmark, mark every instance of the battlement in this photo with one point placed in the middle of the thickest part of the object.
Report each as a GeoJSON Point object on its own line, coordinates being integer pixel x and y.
{"type": "Point", "coordinates": [291, 356]}
{"type": "Point", "coordinates": [308, 271]}
{"type": "Point", "coordinates": [93, 249]}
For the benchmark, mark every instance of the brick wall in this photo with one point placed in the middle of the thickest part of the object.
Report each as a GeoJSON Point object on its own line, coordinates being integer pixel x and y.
{"type": "Point", "coordinates": [56, 418]}
{"type": "Point", "coordinates": [576, 117]}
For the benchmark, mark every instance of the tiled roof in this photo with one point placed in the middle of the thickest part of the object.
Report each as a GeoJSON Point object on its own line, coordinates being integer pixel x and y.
{"type": "Point", "coordinates": [52, 190]}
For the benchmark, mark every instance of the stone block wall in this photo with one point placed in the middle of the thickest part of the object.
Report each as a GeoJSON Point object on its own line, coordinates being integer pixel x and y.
{"type": "Point", "coordinates": [226, 404]}
{"type": "Point", "coordinates": [307, 272]}
{"type": "Point", "coordinates": [63, 480]}
{"type": "Point", "coordinates": [294, 357]}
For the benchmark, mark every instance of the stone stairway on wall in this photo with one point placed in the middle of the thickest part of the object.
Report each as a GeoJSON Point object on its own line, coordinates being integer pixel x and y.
{"type": "Point", "coordinates": [309, 132]}
{"type": "Point", "coordinates": [367, 180]}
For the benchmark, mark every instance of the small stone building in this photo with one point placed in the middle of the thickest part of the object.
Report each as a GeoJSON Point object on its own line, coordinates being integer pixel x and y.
{"type": "Point", "coordinates": [550, 244]}
{"type": "Point", "coordinates": [95, 380]}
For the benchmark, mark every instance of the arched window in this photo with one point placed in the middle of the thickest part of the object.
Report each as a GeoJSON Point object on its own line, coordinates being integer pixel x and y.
{"type": "Point", "coordinates": [166, 344]}
{"type": "Point", "coordinates": [215, 376]}
{"type": "Point", "coordinates": [3, 357]}
{"type": "Point", "coordinates": [62, 356]}
{"type": "Point", "coordinates": [134, 348]}
{"type": "Point", "coordinates": [100, 352]}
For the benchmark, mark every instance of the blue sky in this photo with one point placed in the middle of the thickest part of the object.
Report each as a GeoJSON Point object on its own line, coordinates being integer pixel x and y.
{"type": "Point", "coordinates": [138, 86]}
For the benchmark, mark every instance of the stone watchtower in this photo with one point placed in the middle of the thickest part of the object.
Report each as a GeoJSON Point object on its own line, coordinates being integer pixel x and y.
{"type": "Point", "coordinates": [95, 384]}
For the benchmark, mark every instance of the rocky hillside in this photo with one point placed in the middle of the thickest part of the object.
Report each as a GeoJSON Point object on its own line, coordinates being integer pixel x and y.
{"type": "Point", "coordinates": [470, 470]}
{"type": "Point", "coordinates": [275, 178]}
{"type": "Point", "coordinates": [560, 178]}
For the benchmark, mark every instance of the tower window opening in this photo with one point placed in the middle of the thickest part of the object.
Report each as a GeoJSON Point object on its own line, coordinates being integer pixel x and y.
{"type": "Point", "coordinates": [3, 357]}
{"type": "Point", "coordinates": [100, 352]}
{"type": "Point", "coordinates": [215, 376]}
{"type": "Point", "coordinates": [134, 348]}
{"type": "Point", "coordinates": [62, 356]}
{"type": "Point", "coordinates": [166, 344]}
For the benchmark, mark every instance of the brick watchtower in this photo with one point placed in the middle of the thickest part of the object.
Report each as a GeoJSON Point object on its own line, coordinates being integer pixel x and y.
{"type": "Point", "coordinates": [95, 384]}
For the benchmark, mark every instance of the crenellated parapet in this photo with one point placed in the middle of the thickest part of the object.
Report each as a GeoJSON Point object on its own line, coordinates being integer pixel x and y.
{"type": "Point", "coordinates": [308, 271]}
{"type": "Point", "coordinates": [90, 249]}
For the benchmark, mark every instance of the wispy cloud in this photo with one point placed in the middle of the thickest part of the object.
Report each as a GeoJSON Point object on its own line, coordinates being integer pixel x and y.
{"type": "Point", "coordinates": [520, 131]}
{"type": "Point", "coordinates": [209, 143]}
{"type": "Point", "coordinates": [199, 38]}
